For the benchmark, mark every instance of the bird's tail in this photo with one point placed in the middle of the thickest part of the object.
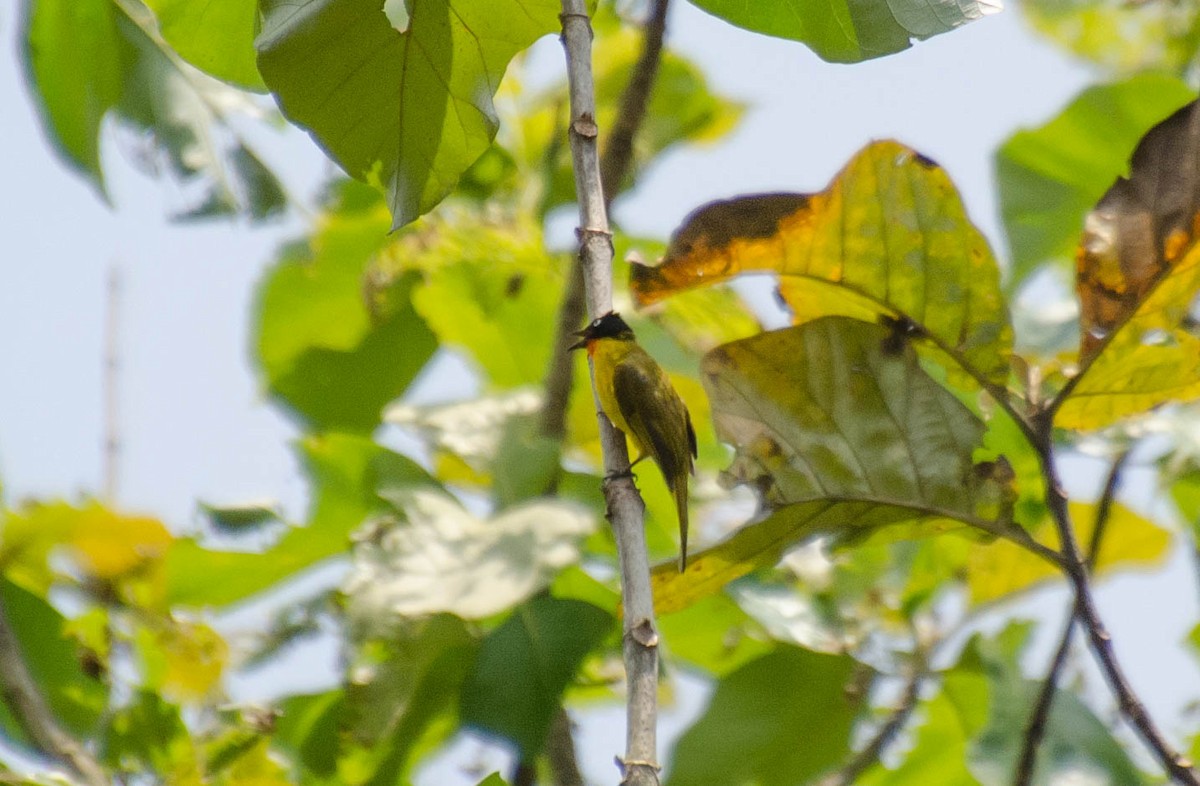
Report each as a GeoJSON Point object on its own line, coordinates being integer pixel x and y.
{"type": "Point", "coordinates": [680, 489]}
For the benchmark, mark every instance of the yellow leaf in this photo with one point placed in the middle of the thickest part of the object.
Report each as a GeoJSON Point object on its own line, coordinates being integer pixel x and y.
{"type": "Point", "coordinates": [1152, 359]}
{"type": "Point", "coordinates": [183, 659]}
{"type": "Point", "coordinates": [890, 236]}
{"type": "Point", "coordinates": [108, 545]}
{"type": "Point", "coordinates": [999, 569]}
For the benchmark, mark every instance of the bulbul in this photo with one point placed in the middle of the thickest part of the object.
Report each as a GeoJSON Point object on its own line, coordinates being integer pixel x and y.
{"type": "Point", "coordinates": [637, 396]}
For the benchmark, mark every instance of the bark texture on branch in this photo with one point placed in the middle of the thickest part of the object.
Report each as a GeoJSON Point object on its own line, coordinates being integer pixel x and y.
{"type": "Point", "coordinates": [625, 508]}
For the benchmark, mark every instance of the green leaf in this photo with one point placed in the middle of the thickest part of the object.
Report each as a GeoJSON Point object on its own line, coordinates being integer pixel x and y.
{"type": "Point", "coordinates": [1150, 360]}
{"type": "Point", "coordinates": [76, 699]}
{"type": "Point", "coordinates": [889, 237]}
{"type": "Point", "coordinates": [74, 65]}
{"type": "Point", "coordinates": [839, 432]}
{"type": "Point", "coordinates": [1050, 177]}
{"type": "Point", "coordinates": [150, 732]}
{"type": "Point", "coordinates": [527, 464]}
{"type": "Point", "coordinates": [436, 556]}
{"type": "Point", "coordinates": [238, 519]}
{"type": "Point", "coordinates": [525, 665]}
{"type": "Point", "coordinates": [88, 60]}
{"type": "Point", "coordinates": [352, 475]}
{"type": "Point", "coordinates": [489, 288]}
{"type": "Point", "coordinates": [216, 36]}
{"type": "Point", "coordinates": [776, 721]}
{"type": "Point", "coordinates": [714, 634]}
{"type": "Point", "coordinates": [938, 754]}
{"type": "Point", "coordinates": [401, 700]}
{"type": "Point", "coordinates": [332, 352]}
{"type": "Point", "coordinates": [407, 110]}
{"type": "Point", "coordinates": [1076, 743]}
{"type": "Point", "coordinates": [1120, 37]}
{"type": "Point", "coordinates": [308, 728]}
{"type": "Point", "coordinates": [845, 31]}
{"type": "Point", "coordinates": [493, 780]}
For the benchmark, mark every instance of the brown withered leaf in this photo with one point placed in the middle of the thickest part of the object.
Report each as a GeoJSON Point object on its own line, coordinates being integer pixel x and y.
{"type": "Point", "coordinates": [1140, 228]}
{"type": "Point", "coordinates": [889, 238]}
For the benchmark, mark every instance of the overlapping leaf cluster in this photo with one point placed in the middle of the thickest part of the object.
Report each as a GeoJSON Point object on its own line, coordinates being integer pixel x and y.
{"type": "Point", "coordinates": [452, 552]}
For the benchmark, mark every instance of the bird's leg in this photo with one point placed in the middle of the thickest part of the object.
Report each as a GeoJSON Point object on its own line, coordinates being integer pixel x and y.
{"type": "Point", "coordinates": [627, 472]}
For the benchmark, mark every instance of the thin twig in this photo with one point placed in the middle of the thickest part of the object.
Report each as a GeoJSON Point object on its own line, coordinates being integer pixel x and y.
{"type": "Point", "coordinates": [1176, 765]}
{"type": "Point", "coordinates": [28, 706]}
{"type": "Point", "coordinates": [1036, 728]}
{"type": "Point", "coordinates": [625, 507]}
{"type": "Point", "coordinates": [112, 440]}
{"type": "Point", "coordinates": [870, 754]}
{"type": "Point", "coordinates": [560, 750]}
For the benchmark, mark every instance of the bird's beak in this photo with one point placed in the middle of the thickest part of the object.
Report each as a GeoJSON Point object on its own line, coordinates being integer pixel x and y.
{"type": "Point", "coordinates": [583, 336]}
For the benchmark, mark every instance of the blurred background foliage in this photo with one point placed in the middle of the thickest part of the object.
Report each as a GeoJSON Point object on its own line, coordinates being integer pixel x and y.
{"type": "Point", "coordinates": [474, 590]}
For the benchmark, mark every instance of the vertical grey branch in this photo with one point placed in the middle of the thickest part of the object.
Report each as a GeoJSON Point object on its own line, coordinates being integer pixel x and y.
{"type": "Point", "coordinates": [625, 508]}
{"type": "Point", "coordinates": [30, 710]}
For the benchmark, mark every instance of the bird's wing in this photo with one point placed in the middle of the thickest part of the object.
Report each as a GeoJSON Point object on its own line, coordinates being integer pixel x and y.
{"type": "Point", "coordinates": [668, 437]}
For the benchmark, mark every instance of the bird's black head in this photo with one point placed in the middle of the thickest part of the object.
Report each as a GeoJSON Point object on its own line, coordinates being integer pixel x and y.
{"type": "Point", "coordinates": [608, 326]}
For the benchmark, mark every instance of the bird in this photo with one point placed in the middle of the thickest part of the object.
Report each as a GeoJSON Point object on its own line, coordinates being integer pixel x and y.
{"type": "Point", "coordinates": [638, 398]}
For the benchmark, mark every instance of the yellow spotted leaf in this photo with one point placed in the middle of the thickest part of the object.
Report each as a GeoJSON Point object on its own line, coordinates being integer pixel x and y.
{"type": "Point", "coordinates": [999, 569]}
{"type": "Point", "coordinates": [1150, 360]}
{"type": "Point", "coordinates": [889, 236]}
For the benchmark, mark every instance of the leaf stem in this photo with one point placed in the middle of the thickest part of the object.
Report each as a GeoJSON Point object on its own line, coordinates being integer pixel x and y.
{"type": "Point", "coordinates": [1036, 727]}
{"type": "Point", "coordinates": [1076, 568]}
{"type": "Point", "coordinates": [31, 711]}
{"type": "Point", "coordinates": [625, 507]}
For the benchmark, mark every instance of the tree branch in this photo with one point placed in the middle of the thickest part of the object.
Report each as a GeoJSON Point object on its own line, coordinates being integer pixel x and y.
{"type": "Point", "coordinates": [625, 507]}
{"type": "Point", "coordinates": [31, 711]}
{"type": "Point", "coordinates": [614, 166]}
{"type": "Point", "coordinates": [560, 750]}
{"type": "Point", "coordinates": [1036, 728]}
{"type": "Point", "coordinates": [1176, 765]}
{"type": "Point", "coordinates": [870, 754]}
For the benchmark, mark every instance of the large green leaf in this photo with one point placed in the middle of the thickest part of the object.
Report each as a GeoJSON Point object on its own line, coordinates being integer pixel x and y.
{"type": "Point", "coordinates": [1050, 177]}
{"type": "Point", "coordinates": [526, 664]}
{"type": "Point", "coordinates": [91, 59]}
{"type": "Point", "coordinates": [76, 699]}
{"type": "Point", "coordinates": [406, 107]}
{"type": "Point", "coordinates": [216, 36]}
{"type": "Point", "coordinates": [776, 721]}
{"type": "Point", "coordinates": [845, 31]}
{"type": "Point", "coordinates": [889, 236]}
{"type": "Point", "coordinates": [73, 59]}
{"type": "Point", "coordinates": [841, 431]}
{"type": "Point", "coordinates": [330, 348]}
{"type": "Point", "coordinates": [350, 474]}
